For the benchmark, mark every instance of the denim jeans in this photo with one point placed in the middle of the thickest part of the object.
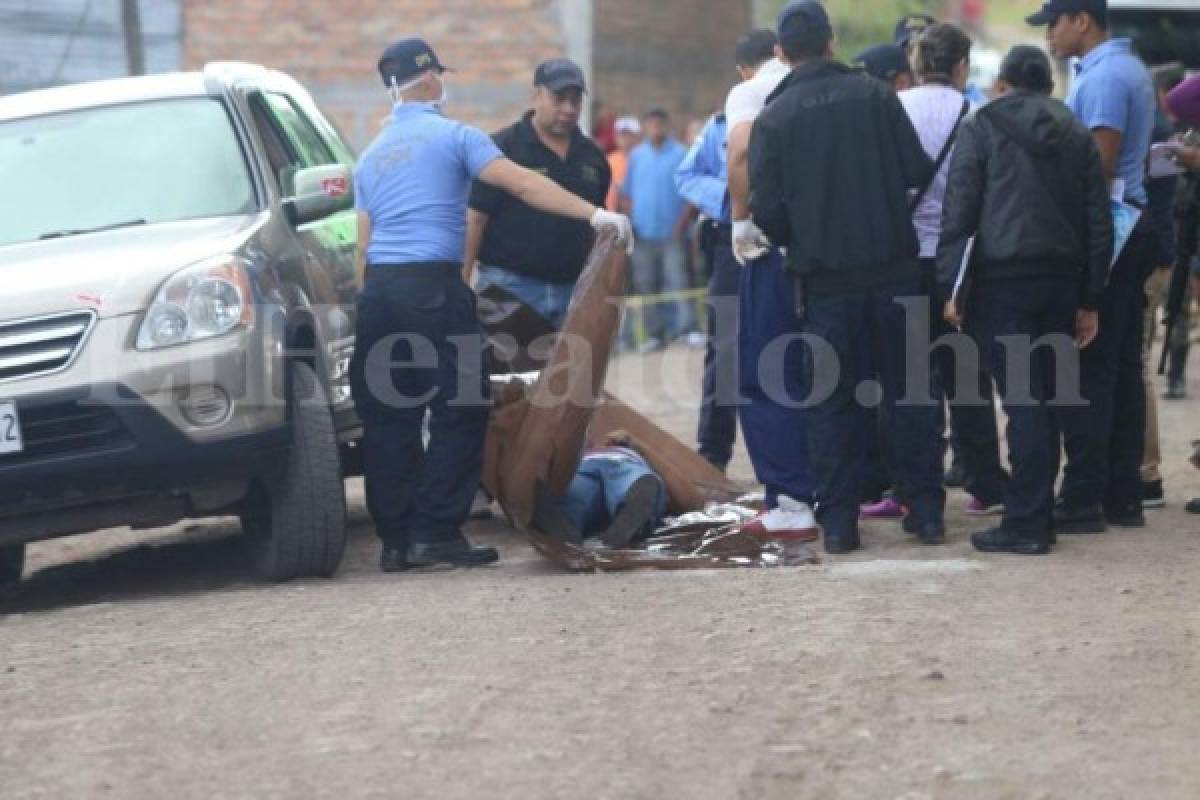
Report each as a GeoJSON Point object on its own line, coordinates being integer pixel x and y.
{"type": "Point", "coordinates": [599, 488]}
{"type": "Point", "coordinates": [551, 300]}
{"type": "Point", "coordinates": [418, 348]}
{"type": "Point", "coordinates": [660, 267]}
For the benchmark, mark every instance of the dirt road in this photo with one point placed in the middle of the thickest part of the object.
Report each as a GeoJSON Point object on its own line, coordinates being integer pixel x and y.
{"type": "Point", "coordinates": [151, 666]}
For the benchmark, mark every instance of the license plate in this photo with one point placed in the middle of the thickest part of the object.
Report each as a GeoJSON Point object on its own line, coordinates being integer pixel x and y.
{"type": "Point", "coordinates": [10, 429]}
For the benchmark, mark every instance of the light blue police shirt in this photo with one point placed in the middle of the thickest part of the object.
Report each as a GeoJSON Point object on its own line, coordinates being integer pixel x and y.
{"type": "Point", "coordinates": [1113, 89]}
{"type": "Point", "coordinates": [414, 181]}
{"type": "Point", "coordinates": [703, 177]}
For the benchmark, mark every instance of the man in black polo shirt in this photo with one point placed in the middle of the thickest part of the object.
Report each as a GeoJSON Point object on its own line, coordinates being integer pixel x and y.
{"type": "Point", "coordinates": [536, 256]}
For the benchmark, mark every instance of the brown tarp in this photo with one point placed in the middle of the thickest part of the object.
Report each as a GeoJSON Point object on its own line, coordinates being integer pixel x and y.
{"type": "Point", "coordinates": [539, 429]}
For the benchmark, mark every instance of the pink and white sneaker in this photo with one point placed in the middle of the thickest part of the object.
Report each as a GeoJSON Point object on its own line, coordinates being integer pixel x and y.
{"type": "Point", "coordinates": [887, 507]}
{"type": "Point", "coordinates": [977, 508]}
{"type": "Point", "coordinates": [791, 520]}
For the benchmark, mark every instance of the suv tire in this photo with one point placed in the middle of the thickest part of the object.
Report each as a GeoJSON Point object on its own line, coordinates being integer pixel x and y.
{"type": "Point", "coordinates": [295, 520]}
{"type": "Point", "coordinates": [12, 564]}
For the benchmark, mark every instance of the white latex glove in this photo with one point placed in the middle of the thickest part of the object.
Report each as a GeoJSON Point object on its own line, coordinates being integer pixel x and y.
{"type": "Point", "coordinates": [604, 220]}
{"type": "Point", "coordinates": [749, 243]}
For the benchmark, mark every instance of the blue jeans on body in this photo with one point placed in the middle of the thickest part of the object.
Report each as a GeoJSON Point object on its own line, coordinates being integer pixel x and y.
{"type": "Point", "coordinates": [599, 488]}
{"type": "Point", "coordinates": [551, 300]}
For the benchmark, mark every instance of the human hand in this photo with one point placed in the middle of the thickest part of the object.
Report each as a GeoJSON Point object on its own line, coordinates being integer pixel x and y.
{"type": "Point", "coordinates": [604, 220]}
{"type": "Point", "coordinates": [749, 243]}
{"type": "Point", "coordinates": [951, 315]}
{"type": "Point", "coordinates": [1087, 327]}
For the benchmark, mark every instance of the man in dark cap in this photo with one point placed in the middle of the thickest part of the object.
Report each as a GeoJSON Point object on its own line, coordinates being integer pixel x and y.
{"type": "Point", "coordinates": [832, 158]}
{"type": "Point", "coordinates": [534, 255]}
{"type": "Point", "coordinates": [888, 63]}
{"type": "Point", "coordinates": [419, 347]}
{"type": "Point", "coordinates": [1112, 94]}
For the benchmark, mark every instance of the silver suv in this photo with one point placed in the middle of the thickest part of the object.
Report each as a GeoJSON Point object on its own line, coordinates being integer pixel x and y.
{"type": "Point", "coordinates": [177, 318]}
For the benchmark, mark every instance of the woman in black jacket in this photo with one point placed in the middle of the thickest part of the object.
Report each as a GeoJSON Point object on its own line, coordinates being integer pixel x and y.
{"type": "Point", "coordinates": [1024, 254]}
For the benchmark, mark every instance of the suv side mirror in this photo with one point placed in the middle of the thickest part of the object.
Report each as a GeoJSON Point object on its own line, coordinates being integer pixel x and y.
{"type": "Point", "coordinates": [320, 192]}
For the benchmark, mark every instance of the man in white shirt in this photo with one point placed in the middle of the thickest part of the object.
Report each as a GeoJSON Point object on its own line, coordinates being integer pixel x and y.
{"type": "Point", "coordinates": [775, 433]}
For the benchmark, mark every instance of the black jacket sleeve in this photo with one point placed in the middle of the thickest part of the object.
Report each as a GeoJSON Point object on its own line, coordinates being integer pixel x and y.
{"type": "Point", "coordinates": [962, 205]}
{"type": "Point", "coordinates": [767, 205]}
{"type": "Point", "coordinates": [1100, 230]}
{"type": "Point", "coordinates": [915, 164]}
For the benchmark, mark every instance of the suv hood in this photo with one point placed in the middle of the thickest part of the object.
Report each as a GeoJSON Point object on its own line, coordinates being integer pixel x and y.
{"type": "Point", "coordinates": [114, 272]}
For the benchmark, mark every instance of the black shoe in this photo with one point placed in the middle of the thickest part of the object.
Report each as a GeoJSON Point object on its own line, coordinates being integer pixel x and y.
{"type": "Point", "coordinates": [394, 559]}
{"type": "Point", "coordinates": [1176, 389]}
{"type": "Point", "coordinates": [1131, 517]}
{"type": "Point", "coordinates": [1078, 520]}
{"type": "Point", "coordinates": [1152, 495]}
{"type": "Point", "coordinates": [550, 518]}
{"type": "Point", "coordinates": [956, 476]}
{"type": "Point", "coordinates": [999, 540]}
{"type": "Point", "coordinates": [635, 515]}
{"type": "Point", "coordinates": [1193, 506]}
{"type": "Point", "coordinates": [926, 532]}
{"type": "Point", "coordinates": [456, 552]}
{"type": "Point", "coordinates": [841, 545]}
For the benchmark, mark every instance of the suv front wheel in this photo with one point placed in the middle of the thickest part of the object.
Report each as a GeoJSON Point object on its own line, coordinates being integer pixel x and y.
{"type": "Point", "coordinates": [295, 520]}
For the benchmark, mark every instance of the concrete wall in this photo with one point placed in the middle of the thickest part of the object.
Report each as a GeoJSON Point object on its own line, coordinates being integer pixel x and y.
{"type": "Point", "coordinates": [52, 42]}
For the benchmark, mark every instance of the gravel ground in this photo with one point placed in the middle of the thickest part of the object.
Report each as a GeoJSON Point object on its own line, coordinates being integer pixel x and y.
{"type": "Point", "coordinates": [150, 665]}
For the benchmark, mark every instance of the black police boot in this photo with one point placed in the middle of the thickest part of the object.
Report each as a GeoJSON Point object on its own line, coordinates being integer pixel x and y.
{"type": "Point", "coordinates": [956, 476]}
{"type": "Point", "coordinates": [455, 552]}
{"type": "Point", "coordinates": [999, 540]}
{"type": "Point", "coordinates": [1088, 519]}
{"type": "Point", "coordinates": [394, 558]}
{"type": "Point", "coordinates": [926, 532]}
{"type": "Point", "coordinates": [1125, 517]}
{"type": "Point", "coordinates": [635, 515]}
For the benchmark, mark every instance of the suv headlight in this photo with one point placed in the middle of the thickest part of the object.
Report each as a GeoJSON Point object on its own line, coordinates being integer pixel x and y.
{"type": "Point", "coordinates": [205, 300]}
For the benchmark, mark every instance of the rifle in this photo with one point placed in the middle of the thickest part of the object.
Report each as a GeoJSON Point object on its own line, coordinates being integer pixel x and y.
{"type": "Point", "coordinates": [1188, 245]}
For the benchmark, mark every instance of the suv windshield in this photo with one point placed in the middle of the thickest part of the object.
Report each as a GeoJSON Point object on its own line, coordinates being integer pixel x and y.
{"type": "Point", "coordinates": [102, 168]}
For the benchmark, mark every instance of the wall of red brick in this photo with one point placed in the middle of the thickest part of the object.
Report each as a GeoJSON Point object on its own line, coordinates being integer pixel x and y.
{"type": "Point", "coordinates": [674, 53]}
{"type": "Point", "coordinates": [677, 54]}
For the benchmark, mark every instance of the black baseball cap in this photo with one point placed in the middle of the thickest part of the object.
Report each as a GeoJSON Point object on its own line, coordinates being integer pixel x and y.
{"type": "Point", "coordinates": [884, 61]}
{"type": "Point", "coordinates": [803, 18]}
{"type": "Point", "coordinates": [557, 74]}
{"type": "Point", "coordinates": [408, 58]}
{"type": "Point", "coordinates": [1053, 9]}
{"type": "Point", "coordinates": [910, 26]}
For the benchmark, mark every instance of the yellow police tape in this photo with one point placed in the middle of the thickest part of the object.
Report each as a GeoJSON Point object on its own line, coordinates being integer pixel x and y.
{"type": "Point", "coordinates": [635, 305]}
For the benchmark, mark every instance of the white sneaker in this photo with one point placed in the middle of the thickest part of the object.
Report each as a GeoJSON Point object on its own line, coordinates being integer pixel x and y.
{"type": "Point", "coordinates": [791, 519]}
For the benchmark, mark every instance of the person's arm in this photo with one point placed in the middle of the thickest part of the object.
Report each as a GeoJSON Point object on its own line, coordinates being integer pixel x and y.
{"type": "Point", "coordinates": [1100, 245]}
{"type": "Point", "coordinates": [1108, 143]}
{"type": "Point", "coordinates": [962, 208]}
{"type": "Point", "coordinates": [739, 169]}
{"type": "Point", "coordinates": [360, 249]}
{"type": "Point", "coordinates": [765, 171]}
{"type": "Point", "coordinates": [697, 177]}
{"type": "Point", "coordinates": [476, 226]}
{"type": "Point", "coordinates": [535, 190]}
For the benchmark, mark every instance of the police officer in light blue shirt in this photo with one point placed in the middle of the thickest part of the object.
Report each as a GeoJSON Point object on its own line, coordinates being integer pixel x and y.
{"type": "Point", "coordinates": [1113, 96]}
{"type": "Point", "coordinates": [418, 345]}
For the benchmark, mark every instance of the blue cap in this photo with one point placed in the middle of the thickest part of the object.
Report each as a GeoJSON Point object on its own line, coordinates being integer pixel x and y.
{"type": "Point", "coordinates": [408, 58]}
{"type": "Point", "coordinates": [1054, 9]}
{"type": "Point", "coordinates": [803, 18]}
{"type": "Point", "coordinates": [884, 61]}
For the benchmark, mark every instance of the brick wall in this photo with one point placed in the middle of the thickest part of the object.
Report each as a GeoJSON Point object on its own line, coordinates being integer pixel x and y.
{"type": "Point", "coordinates": [677, 54]}
{"type": "Point", "coordinates": [674, 53]}
{"type": "Point", "coordinates": [332, 47]}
